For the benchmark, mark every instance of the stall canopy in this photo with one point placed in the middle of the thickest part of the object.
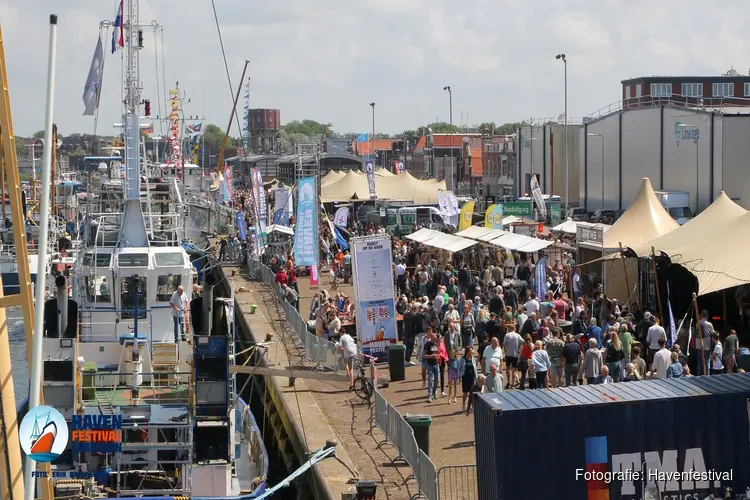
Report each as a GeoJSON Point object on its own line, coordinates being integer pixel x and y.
{"type": "Point", "coordinates": [474, 232]}
{"type": "Point", "coordinates": [713, 220]}
{"type": "Point", "coordinates": [569, 226]}
{"type": "Point", "coordinates": [644, 220]}
{"type": "Point", "coordinates": [275, 228]}
{"type": "Point", "coordinates": [448, 242]}
{"type": "Point", "coordinates": [520, 242]}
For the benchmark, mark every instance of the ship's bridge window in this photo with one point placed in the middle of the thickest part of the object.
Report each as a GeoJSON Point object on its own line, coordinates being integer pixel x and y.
{"type": "Point", "coordinates": [130, 287]}
{"type": "Point", "coordinates": [166, 286]}
{"type": "Point", "coordinates": [98, 289]}
{"type": "Point", "coordinates": [169, 259]}
{"type": "Point", "coordinates": [132, 260]}
{"type": "Point", "coordinates": [97, 259]}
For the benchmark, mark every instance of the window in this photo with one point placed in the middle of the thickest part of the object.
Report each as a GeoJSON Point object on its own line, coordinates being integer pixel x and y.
{"type": "Point", "coordinates": [98, 289]}
{"type": "Point", "coordinates": [169, 259]}
{"type": "Point", "coordinates": [133, 260]}
{"type": "Point", "coordinates": [504, 167]}
{"type": "Point", "coordinates": [130, 288]}
{"type": "Point", "coordinates": [166, 285]}
{"type": "Point", "coordinates": [747, 90]}
{"type": "Point", "coordinates": [627, 91]}
{"type": "Point", "coordinates": [638, 90]}
{"type": "Point", "coordinates": [97, 259]}
{"type": "Point", "coordinates": [661, 90]}
{"type": "Point", "coordinates": [723, 89]}
{"type": "Point", "coordinates": [692, 89]}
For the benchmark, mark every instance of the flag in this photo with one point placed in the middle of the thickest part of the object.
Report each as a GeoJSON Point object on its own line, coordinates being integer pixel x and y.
{"type": "Point", "coordinates": [467, 211]}
{"type": "Point", "coordinates": [194, 130]}
{"type": "Point", "coordinates": [340, 241]}
{"type": "Point", "coordinates": [149, 129]}
{"type": "Point", "coordinates": [342, 217]}
{"type": "Point", "coordinates": [93, 87]}
{"type": "Point", "coordinates": [362, 138]}
{"type": "Point", "coordinates": [118, 34]}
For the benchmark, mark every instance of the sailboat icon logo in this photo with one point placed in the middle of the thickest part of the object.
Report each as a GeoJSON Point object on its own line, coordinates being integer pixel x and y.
{"type": "Point", "coordinates": [43, 434]}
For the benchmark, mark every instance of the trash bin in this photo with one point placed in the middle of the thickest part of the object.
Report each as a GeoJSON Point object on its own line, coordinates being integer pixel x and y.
{"type": "Point", "coordinates": [421, 425]}
{"type": "Point", "coordinates": [397, 362]}
{"type": "Point", "coordinates": [366, 490]}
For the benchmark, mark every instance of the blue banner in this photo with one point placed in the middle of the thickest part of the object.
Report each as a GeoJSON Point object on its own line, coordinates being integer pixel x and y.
{"type": "Point", "coordinates": [340, 240]}
{"type": "Point", "coordinates": [370, 170]}
{"type": "Point", "coordinates": [281, 217]}
{"type": "Point", "coordinates": [306, 230]}
{"type": "Point", "coordinates": [241, 226]}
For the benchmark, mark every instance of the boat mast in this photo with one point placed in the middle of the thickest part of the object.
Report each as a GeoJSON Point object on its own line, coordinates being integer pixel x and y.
{"type": "Point", "coordinates": [132, 226]}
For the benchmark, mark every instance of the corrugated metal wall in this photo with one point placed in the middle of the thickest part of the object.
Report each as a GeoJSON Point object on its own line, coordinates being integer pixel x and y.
{"type": "Point", "coordinates": [640, 151]}
{"type": "Point", "coordinates": [735, 161]}
{"type": "Point", "coordinates": [609, 129]}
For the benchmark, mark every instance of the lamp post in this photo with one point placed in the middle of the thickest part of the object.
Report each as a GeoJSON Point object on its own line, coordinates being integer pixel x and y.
{"type": "Point", "coordinates": [600, 136]}
{"type": "Point", "coordinates": [372, 137]}
{"type": "Point", "coordinates": [450, 104]}
{"type": "Point", "coordinates": [561, 57]}
{"type": "Point", "coordinates": [684, 126]}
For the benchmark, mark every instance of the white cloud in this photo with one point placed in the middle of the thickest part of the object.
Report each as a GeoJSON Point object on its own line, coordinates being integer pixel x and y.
{"type": "Point", "coordinates": [327, 59]}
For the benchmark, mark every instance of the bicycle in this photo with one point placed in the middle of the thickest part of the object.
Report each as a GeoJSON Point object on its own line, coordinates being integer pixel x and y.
{"type": "Point", "coordinates": [363, 385]}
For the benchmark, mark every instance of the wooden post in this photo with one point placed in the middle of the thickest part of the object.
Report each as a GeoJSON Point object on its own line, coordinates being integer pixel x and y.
{"type": "Point", "coordinates": [8, 140]}
{"type": "Point", "coordinates": [627, 281]}
{"type": "Point", "coordinates": [658, 288]}
{"type": "Point", "coordinates": [700, 333]}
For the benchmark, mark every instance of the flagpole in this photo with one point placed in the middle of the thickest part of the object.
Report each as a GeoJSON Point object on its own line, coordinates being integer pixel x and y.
{"type": "Point", "coordinates": [625, 270]}
{"type": "Point", "coordinates": [698, 329]}
{"type": "Point", "coordinates": [656, 279]}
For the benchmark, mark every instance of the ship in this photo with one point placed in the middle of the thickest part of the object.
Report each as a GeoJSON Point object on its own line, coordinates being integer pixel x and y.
{"type": "Point", "coordinates": [42, 445]}
{"type": "Point", "coordinates": [111, 349]}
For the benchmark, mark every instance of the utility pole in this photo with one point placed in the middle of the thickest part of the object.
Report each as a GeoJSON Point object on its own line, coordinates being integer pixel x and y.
{"type": "Point", "coordinates": [450, 103]}
{"type": "Point", "coordinates": [372, 137]}
{"type": "Point", "coordinates": [565, 126]}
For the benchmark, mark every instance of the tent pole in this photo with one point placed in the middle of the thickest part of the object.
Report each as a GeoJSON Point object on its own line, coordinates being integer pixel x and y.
{"type": "Point", "coordinates": [658, 288]}
{"type": "Point", "coordinates": [628, 293]}
{"type": "Point", "coordinates": [700, 333]}
{"type": "Point", "coordinates": [724, 305]}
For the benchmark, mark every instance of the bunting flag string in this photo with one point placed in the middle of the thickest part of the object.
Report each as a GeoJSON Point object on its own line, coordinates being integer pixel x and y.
{"type": "Point", "coordinates": [175, 157]}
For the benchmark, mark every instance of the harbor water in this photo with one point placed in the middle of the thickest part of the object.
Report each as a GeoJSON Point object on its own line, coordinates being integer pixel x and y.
{"type": "Point", "coordinates": [18, 353]}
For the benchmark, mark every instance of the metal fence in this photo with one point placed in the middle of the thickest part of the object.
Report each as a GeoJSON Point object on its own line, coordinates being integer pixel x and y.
{"type": "Point", "coordinates": [319, 351]}
{"type": "Point", "coordinates": [457, 482]}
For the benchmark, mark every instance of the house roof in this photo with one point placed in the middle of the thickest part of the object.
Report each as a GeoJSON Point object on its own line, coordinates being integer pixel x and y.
{"type": "Point", "coordinates": [421, 143]}
{"type": "Point", "coordinates": [367, 147]}
{"type": "Point", "coordinates": [476, 162]}
{"type": "Point", "coordinates": [445, 141]}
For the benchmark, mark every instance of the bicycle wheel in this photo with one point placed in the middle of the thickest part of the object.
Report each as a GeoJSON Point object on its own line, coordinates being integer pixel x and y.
{"type": "Point", "coordinates": [363, 388]}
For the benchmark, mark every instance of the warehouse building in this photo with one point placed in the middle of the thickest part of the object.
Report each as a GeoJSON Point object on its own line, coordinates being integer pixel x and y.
{"type": "Point", "coordinates": [701, 151]}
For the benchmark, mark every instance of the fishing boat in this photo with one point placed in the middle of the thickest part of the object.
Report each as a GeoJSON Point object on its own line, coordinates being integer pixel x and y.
{"type": "Point", "coordinates": [111, 351]}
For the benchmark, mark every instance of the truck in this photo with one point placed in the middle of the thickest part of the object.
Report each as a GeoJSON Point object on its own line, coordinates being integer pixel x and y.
{"type": "Point", "coordinates": [685, 438]}
{"type": "Point", "coordinates": [677, 204]}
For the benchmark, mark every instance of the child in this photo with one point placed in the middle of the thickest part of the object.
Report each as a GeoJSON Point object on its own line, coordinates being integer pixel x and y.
{"type": "Point", "coordinates": [453, 376]}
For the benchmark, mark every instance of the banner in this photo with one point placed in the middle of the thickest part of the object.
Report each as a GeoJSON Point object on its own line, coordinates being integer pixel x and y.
{"type": "Point", "coordinates": [374, 294]}
{"type": "Point", "coordinates": [246, 116]}
{"type": "Point", "coordinates": [227, 184]}
{"type": "Point", "coordinates": [262, 201]}
{"type": "Point", "coordinates": [536, 193]}
{"type": "Point", "coordinates": [342, 217]}
{"type": "Point", "coordinates": [540, 278]}
{"type": "Point", "coordinates": [173, 141]}
{"type": "Point", "coordinates": [241, 226]}
{"type": "Point", "coordinates": [306, 230]}
{"type": "Point", "coordinates": [314, 277]}
{"type": "Point", "coordinates": [283, 200]}
{"type": "Point", "coordinates": [493, 217]}
{"type": "Point", "coordinates": [281, 218]}
{"type": "Point", "coordinates": [466, 212]}
{"type": "Point", "coordinates": [370, 178]}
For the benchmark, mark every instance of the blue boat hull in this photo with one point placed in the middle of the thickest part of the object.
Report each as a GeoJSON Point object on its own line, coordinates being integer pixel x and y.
{"type": "Point", "coordinates": [10, 283]}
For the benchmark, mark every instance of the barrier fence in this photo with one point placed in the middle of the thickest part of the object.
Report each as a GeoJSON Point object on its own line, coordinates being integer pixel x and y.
{"type": "Point", "coordinates": [448, 483]}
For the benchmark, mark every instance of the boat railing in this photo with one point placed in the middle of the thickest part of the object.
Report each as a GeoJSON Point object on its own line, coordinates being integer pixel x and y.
{"type": "Point", "coordinates": [119, 325]}
{"type": "Point", "coordinates": [113, 388]}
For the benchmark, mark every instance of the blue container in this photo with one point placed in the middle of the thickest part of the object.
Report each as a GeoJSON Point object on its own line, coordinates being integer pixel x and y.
{"type": "Point", "coordinates": [541, 444]}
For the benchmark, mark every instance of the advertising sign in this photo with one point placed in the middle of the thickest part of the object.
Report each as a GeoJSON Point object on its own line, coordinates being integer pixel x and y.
{"type": "Point", "coordinates": [374, 294]}
{"type": "Point", "coordinates": [370, 169]}
{"type": "Point", "coordinates": [493, 218]}
{"type": "Point", "coordinates": [517, 208]}
{"type": "Point", "coordinates": [589, 234]}
{"type": "Point", "coordinates": [342, 217]}
{"type": "Point", "coordinates": [306, 230]}
{"type": "Point", "coordinates": [555, 213]}
{"type": "Point", "coordinates": [466, 212]}
{"type": "Point", "coordinates": [536, 193]}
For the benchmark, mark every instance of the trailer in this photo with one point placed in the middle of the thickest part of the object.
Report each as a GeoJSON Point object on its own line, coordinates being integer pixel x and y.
{"type": "Point", "coordinates": [684, 438]}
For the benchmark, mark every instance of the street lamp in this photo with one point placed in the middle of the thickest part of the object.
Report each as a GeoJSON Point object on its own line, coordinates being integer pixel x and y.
{"type": "Point", "coordinates": [684, 126]}
{"type": "Point", "coordinates": [561, 57]}
{"type": "Point", "coordinates": [372, 137]}
{"type": "Point", "coordinates": [600, 136]}
{"type": "Point", "coordinates": [450, 103]}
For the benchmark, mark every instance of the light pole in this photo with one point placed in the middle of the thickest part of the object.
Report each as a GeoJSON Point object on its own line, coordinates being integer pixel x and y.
{"type": "Point", "coordinates": [372, 137]}
{"type": "Point", "coordinates": [450, 103]}
{"type": "Point", "coordinates": [600, 136]}
{"type": "Point", "coordinates": [561, 57]}
{"type": "Point", "coordinates": [685, 126]}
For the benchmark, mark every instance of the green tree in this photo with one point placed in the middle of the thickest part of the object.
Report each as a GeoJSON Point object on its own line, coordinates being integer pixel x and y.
{"type": "Point", "coordinates": [213, 137]}
{"type": "Point", "coordinates": [487, 128]}
{"type": "Point", "coordinates": [39, 134]}
{"type": "Point", "coordinates": [437, 128]}
{"type": "Point", "coordinates": [286, 143]}
{"type": "Point", "coordinates": [306, 127]}
{"type": "Point", "coordinates": [509, 128]}
{"type": "Point", "coordinates": [21, 148]}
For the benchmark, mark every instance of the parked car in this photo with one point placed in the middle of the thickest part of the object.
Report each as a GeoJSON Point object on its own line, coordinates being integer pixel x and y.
{"type": "Point", "coordinates": [605, 216]}
{"type": "Point", "coordinates": [578, 214]}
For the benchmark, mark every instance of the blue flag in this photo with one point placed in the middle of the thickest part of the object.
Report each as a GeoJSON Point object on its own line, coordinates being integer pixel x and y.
{"type": "Point", "coordinates": [281, 217]}
{"type": "Point", "coordinates": [362, 138]}
{"type": "Point", "coordinates": [340, 241]}
{"type": "Point", "coordinates": [241, 227]}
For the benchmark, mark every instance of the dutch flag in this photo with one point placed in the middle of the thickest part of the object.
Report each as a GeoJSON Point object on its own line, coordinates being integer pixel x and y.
{"type": "Point", "coordinates": [118, 35]}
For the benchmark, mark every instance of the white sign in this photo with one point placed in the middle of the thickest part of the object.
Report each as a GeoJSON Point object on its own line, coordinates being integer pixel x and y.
{"type": "Point", "coordinates": [341, 217]}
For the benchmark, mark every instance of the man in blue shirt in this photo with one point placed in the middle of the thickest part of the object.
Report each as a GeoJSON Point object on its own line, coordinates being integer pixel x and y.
{"type": "Point", "coordinates": [594, 332]}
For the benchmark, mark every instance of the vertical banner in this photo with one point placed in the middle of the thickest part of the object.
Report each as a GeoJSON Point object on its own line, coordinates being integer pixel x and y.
{"type": "Point", "coordinates": [370, 178]}
{"type": "Point", "coordinates": [342, 217]}
{"type": "Point", "coordinates": [493, 218]}
{"type": "Point", "coordinates": [227, 183]}
{"type": "Point", "coordinates": [306, 230]}
{"type": "Point", "coordinates": [262, 201]}
{"type": "Point", "coordinates": [540, 278]}
{"type": "Point", "coordinates": [466, 212]}
{"type": "Point", "coordinates": [282, 200]}
{"type": "Point", "coordinates": [536, 193]}
{"type": "Point", "coordinates": [374, 294]}
{"type": "Point", "coordinates": [444, 206]}
{"type": "Point", "coordinates": [241, 227]}
{"type": "Point", "coordinates": [314, 276]}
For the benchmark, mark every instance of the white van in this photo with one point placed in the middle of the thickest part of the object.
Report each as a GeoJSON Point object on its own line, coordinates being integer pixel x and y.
{"type": "Point", "coordinates": [429, 217]}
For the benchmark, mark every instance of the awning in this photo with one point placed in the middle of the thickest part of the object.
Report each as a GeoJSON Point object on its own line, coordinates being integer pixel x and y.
{"type": "Point", "coordinates": [279, 229]}
{"type": "Point", "coordinates": [511, 219]}
{"type": "Point", "coordinates": [474, 232]}
{"type": "Point", "coordinates": [492, 234]}
{"type": "Point", "coordinates": [520, 242]}
{"type": "Point", "coordinates": [440, 240]}
{"type": "Point", "coordinates": [535, 245]}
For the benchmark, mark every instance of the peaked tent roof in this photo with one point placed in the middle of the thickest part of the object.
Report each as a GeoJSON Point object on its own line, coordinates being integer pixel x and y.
{"type": "Point", "coordinates": [332, 176]}
{"type": "Point", "coordinates": [384, 172]}
{"type": "Point", "coordinates": [720, 213]}
{"type": "Point", "coordinates": [404, 186]}
{"type": "Point", "coordinates": [643, 221]}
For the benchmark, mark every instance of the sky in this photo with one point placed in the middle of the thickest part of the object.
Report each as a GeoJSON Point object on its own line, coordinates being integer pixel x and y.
{"type": "Point", "coordinates": [326, 60]}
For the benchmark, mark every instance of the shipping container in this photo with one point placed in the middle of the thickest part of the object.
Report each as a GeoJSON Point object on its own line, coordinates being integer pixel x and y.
{"type": "Point", "coordinates": [595, 441]}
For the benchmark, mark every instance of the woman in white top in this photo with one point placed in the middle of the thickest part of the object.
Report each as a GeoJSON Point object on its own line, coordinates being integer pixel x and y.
{"type": "Point", "coordinates": [334, 324]}
{"type": "Point", "coordinates": [348, 346]}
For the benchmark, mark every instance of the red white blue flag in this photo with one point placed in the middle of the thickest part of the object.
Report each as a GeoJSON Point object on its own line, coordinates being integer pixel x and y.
{"type": "Point", "coordinates": [118, 34]}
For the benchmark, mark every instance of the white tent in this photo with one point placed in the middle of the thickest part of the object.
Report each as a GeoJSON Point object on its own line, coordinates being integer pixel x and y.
{"type": "Point", "coordinates": [275, 228]}
{"type": "Point", "coordinates": [353, 186]}
{"type": "Point", "coordinates": [474, 232]}
{"type": "Point", "coordinates": [443, 241]}
{"type": "Point", "coordinates": [644, 220]}
{"type": "Point", "coordinates": [569, 226]}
